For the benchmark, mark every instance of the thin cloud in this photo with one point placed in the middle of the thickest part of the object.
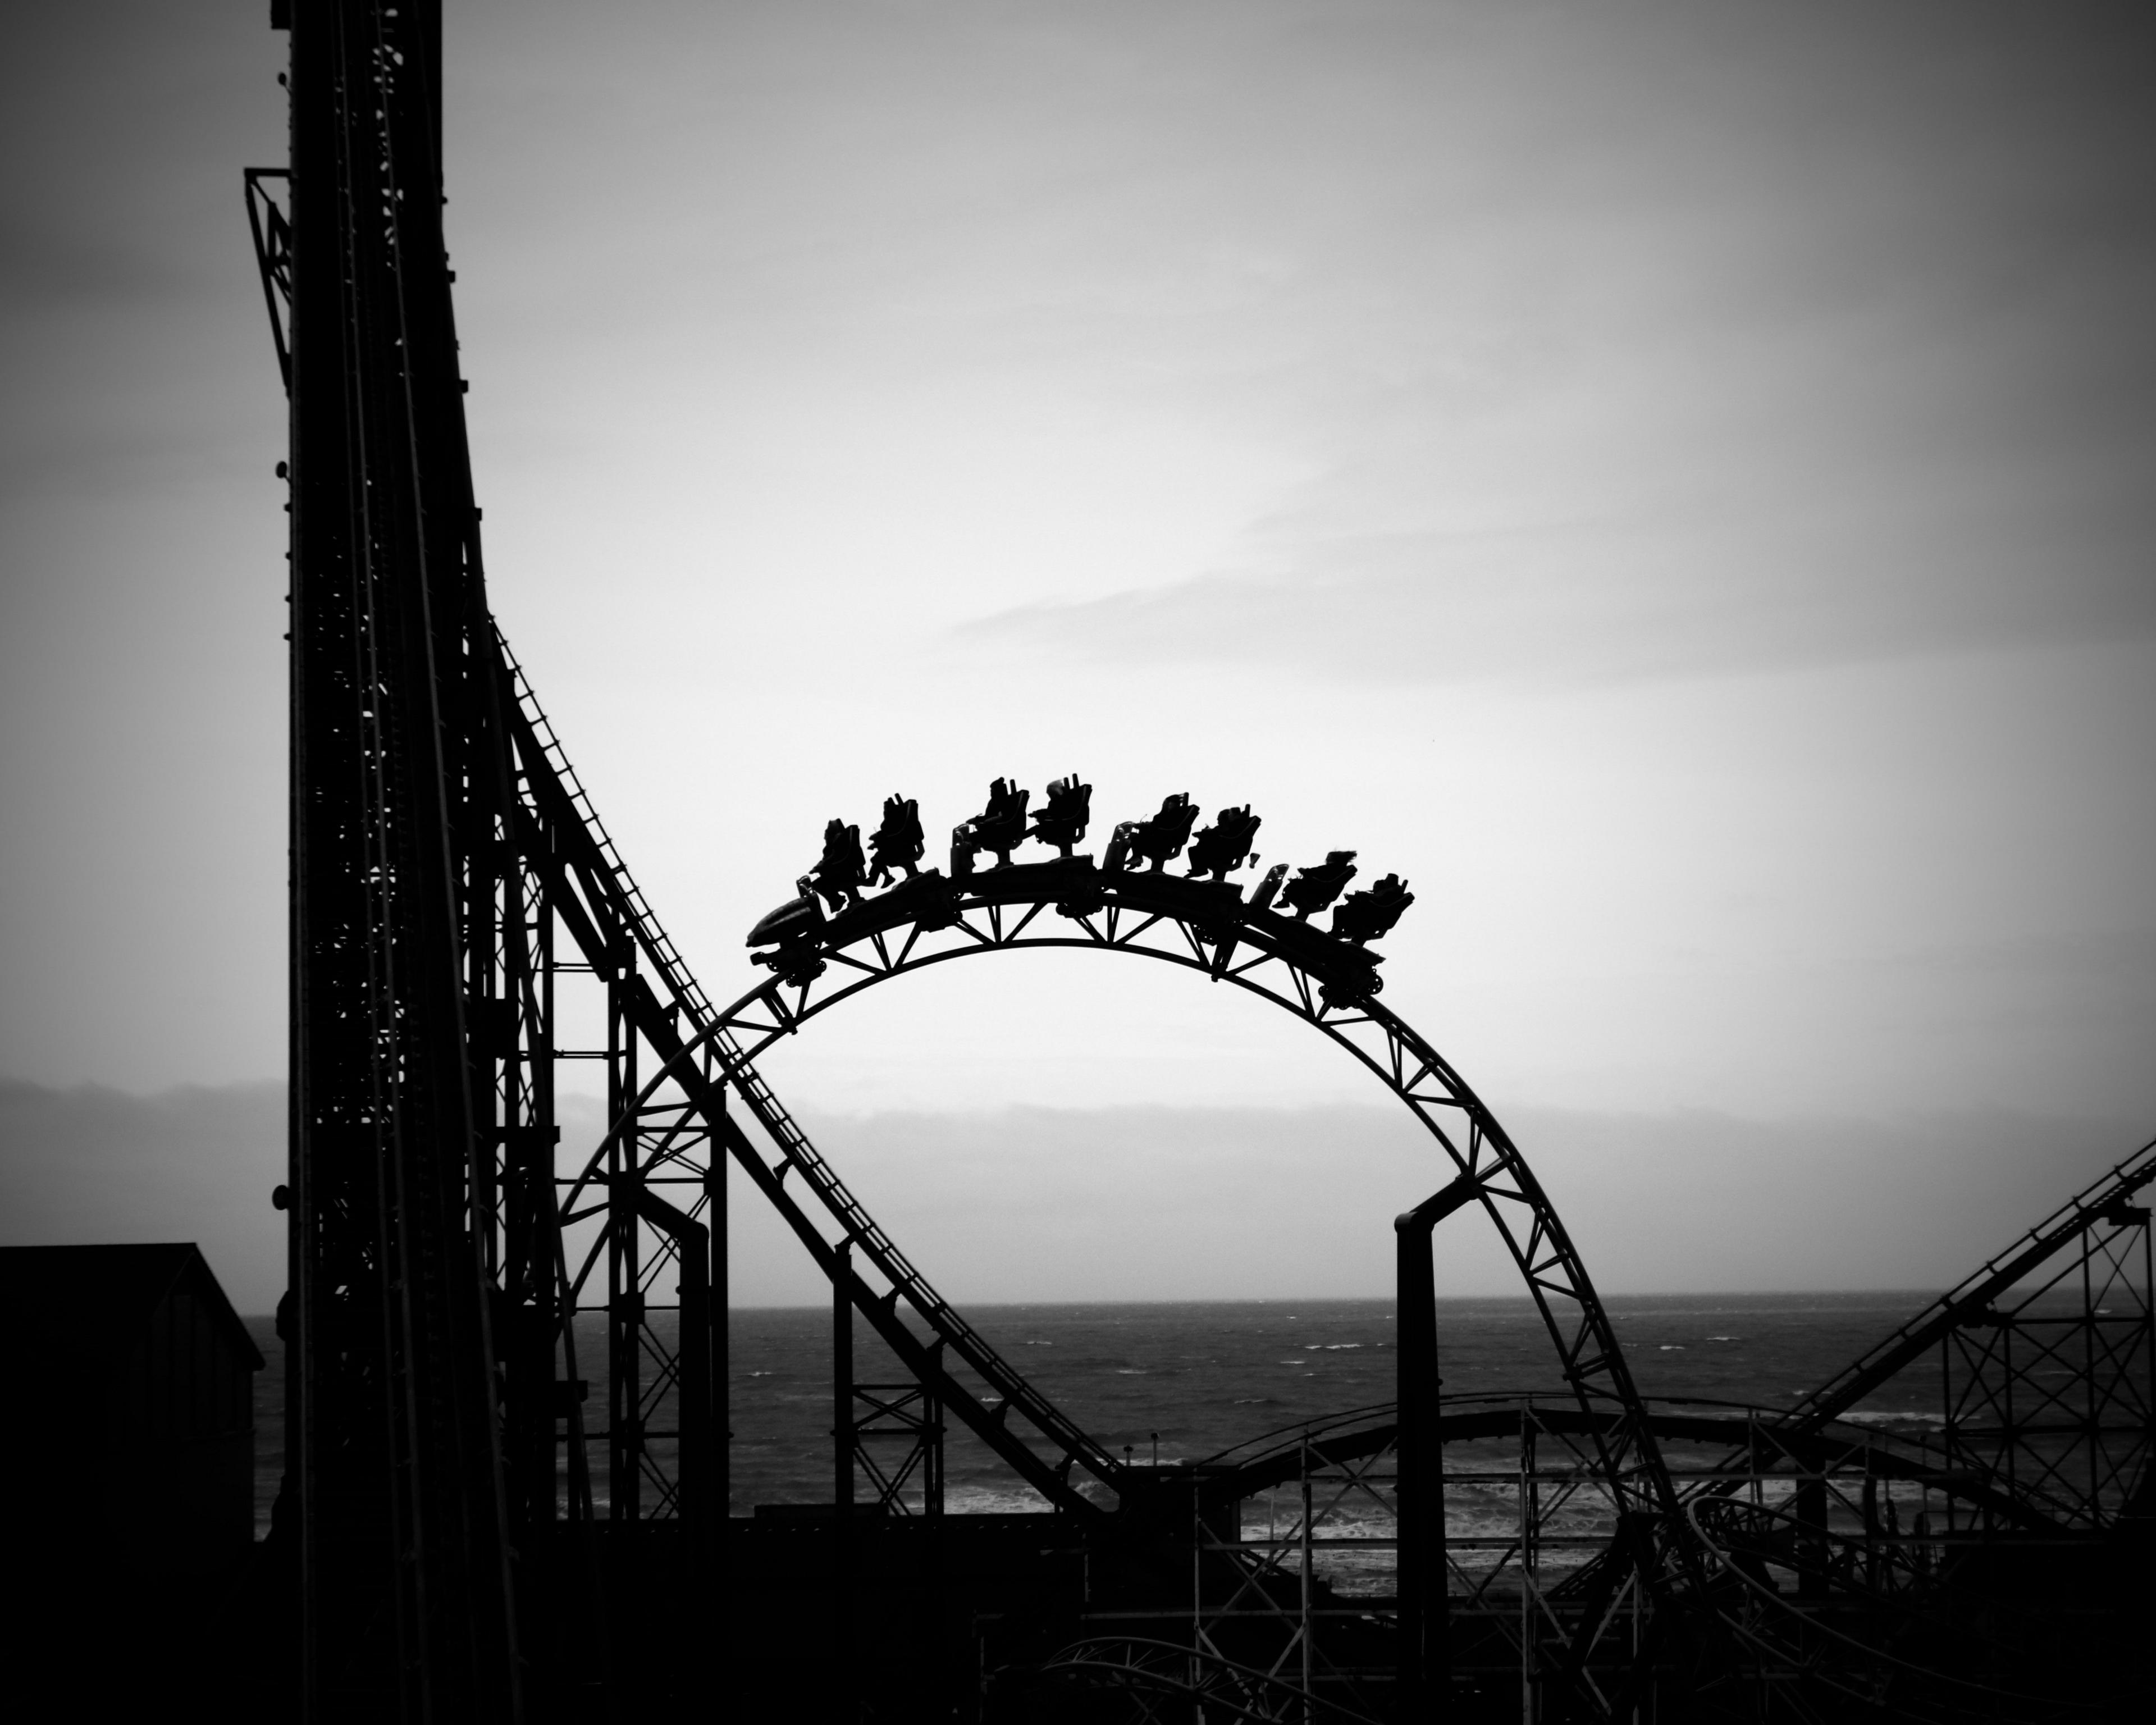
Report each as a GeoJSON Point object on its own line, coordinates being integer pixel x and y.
{"type": "Point", "coordinates": [1553, 608]}
{"type": "Point", "coordinates": [1792, 343]}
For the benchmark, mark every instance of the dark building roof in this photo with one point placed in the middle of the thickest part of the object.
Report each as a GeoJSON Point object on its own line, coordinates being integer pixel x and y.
{"type": "Point", "coordinates": [87, 1303]}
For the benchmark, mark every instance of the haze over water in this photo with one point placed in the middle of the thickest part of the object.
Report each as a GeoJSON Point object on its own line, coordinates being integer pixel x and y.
{"type": "Point", "coordinates": [1207, 1376]}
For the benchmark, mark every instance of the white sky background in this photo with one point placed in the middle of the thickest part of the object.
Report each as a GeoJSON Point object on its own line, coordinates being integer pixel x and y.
{"type": "Point", "coordinates": [1674, 481]}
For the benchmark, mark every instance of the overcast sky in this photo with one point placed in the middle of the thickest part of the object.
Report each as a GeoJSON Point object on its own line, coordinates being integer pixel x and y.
{"type": "Point", "coordinates": [1673, 480]}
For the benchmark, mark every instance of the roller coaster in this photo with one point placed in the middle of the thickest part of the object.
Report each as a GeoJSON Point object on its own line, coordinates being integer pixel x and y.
{"type": "Point", "coordinates": [508, 1491]}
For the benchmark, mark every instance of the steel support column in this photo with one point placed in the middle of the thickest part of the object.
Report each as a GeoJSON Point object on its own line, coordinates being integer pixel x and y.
{"type": "Point", "coordinates": [395, 1438]}
{"type": "Point", "coordinates": [1421, 1458]}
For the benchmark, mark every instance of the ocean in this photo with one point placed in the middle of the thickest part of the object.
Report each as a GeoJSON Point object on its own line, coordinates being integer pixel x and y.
{"type": "Point", "coordinates": [1182, 1382]}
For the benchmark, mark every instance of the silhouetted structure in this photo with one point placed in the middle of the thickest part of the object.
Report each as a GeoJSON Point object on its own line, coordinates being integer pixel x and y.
{"type": "Point", "coordinates": [1313, 888]}
{"type": "Point", "coordinates": [898, 843]}
{"type": "Point", "coordinates": [141, 1345]}
{"type": "Point", "coordinates": [128, 1451]}
{"type": "Point", "coordinates": [840, 870]}
{"type": "Point", "coordinates": [1157, 841]}
{"type": "Point", "coordinates": [1363, 917]}
{"type": "Point", "coordinates": [400, 794]}
{"type": "Point", "coordinates": [1063, 821]}
{"type": "Point", "coordinates": [1811, 1572]}
{"type": "Point", "coordinates": [507, 1494]}
{"type": "Point", "coordinates": [1001, 826]}
{"type": "Point", "coordinates": [1224, 846]}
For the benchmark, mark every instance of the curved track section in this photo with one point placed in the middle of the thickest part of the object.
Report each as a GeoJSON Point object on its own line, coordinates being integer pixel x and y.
{"type": "Point", "coordinates": [1164, 1681]}
{"type": "Point", "coordinates": [664, 1145]}
{"type": "Point", "coordinates": [2042, 1359]}
{"type": "Point", "coordinates": [1278, 1457]}
{"type": "Point", "coordinates": [666, 1138]}
{"type": "Point", "coordinates": [1915, 1632]}
{"type": "Point", "coordinates": [1329, 984]}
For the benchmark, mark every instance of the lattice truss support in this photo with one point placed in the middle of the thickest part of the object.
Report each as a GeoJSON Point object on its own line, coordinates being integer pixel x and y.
{"type": "Point", "coordinates": [2046, 1405]}
{"type": "Point", "coordinates": [887, 1438]}
{"type": "Point", "coordinates": [394, 1501]}
{"type": "Point", "coordinates": [2040, 1361]}
{"type": "Point", "coordinates": [1550, 1594]}
{"type": "Point", "coordinates": [669, 1115]}
{"type": "Point", "coordinates": [1201, 925]}
{"type": "Point", "coordinates": [463, 927]}
{"type": "Point", "coordinates": [617, 1277]}
{"type": "Point", "coordinates": [1172, 1682]}
{"type": "Point", "coordinates": [624, 1284]}
{"type": "Point", "coordinates": [896, 1435]}
{"type": "Point", "coordinates": [1857, 1568]}
{"type": "Point", "coordinates": [2046, 1393]}
{"type": "Point", "coordinates": [1974, 1569]}
{"type": "Point", "coordinates": [613, 1256]}
{"type": "Point", "coordinates": [621, 1279]}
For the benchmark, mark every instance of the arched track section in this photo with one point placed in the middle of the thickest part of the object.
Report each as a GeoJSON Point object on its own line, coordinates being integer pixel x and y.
{"type": "Point", "coordinates": [1165, 1681]}
{"type": "Point", "coordinates": [1327, 983]}
{"type": "Point", "coordinates": [1915, 1632]}
{"type": "Point", "coordinates": [1754, 1437]}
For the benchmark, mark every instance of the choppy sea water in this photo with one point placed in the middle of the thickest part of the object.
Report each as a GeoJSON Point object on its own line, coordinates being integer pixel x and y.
{"type": "Point", "coordinates": [1184, 1381]}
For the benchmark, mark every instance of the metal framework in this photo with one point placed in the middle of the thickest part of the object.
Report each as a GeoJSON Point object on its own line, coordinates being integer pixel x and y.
{"type": "Point", "coordinates": [1327, 983]}
{"type": "Point", "coordinates": [2046, 1355]}
{"type": "Point", "coordinates": [1170, 1680]}
{"type": "Point", "coordinates": [397, 1486]}
{"type": "Point", "coordinates": [1986, 1584]}
{"type": "Point", "coordinates": [1538, 1620]}
{"type": "Point", "coordinates": [1964, 1563]}
{"type": "Point", "coordinates": [462, 935]}
{"type": "Point", "coordinates": [888, 1437]}
{"type": "Point", "coordinates": [506, 1352]}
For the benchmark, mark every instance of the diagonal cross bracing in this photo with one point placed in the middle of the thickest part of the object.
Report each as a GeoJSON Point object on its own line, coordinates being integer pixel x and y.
{"type": "Point", "coordinates": [607, 906]}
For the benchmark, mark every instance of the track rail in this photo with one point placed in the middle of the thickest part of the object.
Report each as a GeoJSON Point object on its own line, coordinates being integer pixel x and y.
{"type": "Point", "coordinates": [2101, 1201]}
{"type": "Point", "coordinates": [1185, 1677]}
{"type": "Point", "coordinates": [1328, 983]}
{"type": "Point", "coordinates": [1278, 1456]}
{"type": "Point", "coordinates": [543, 750]}
{"type": "Point", "coordinates": [609, 883]}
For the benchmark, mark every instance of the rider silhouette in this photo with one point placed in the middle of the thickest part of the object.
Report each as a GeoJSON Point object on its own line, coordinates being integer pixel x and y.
{"type": "Point", "coordinates": [1225, 845]}
{"type": "Point", "coordinates": [1163, 836]}
{"type": "Point", "coordinates": [1314, 889]}
{"type": "Point", "coordinates": [837, 876]}
{"type": "Point", "coordinates": [898, 843]}
{"type": "Point", "coordinates": [1001, 826]}
{"type": "Point", "coordinates": [1363, 917]}
{"type": "Point", "coordinates": [1062, 822]}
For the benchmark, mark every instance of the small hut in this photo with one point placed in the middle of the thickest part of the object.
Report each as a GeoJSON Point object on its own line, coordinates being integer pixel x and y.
{"type": "Point", "coordinates": [130, 1442]}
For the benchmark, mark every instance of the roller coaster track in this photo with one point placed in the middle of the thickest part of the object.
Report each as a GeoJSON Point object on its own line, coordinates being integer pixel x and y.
{"type": "Point", "coordinates": [1328, 983]}
{"type": "Point", "coordinates": [546, 764]}
{"type": "Point", "coordinates": [1180, 1678]}
{"type": "Point", "coordinates": [607, 882]}
{"type": "Point", "coordinates": [2107, 1200]}
{"type": "Point", "coordinates": [1972, 1306]}
{"type": "Point", "coordinates": [1278, 1457]}
{"type": "Point", "coordinates": [673, 1126]}
{"type": "Point", "coordinates": [706, 1052]}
